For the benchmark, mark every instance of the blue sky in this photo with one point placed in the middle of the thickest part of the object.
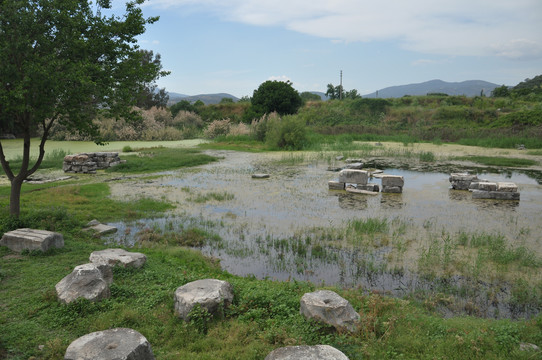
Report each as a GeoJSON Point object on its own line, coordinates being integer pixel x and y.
{"type": "Point", "coordinates": [232, 46]}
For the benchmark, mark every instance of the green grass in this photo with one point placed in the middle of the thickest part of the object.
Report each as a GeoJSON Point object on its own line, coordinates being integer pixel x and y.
{"type": "Point", "coordinates": [161, 159]}
{"type": "Point", "coordinates": [82, 202]}
{"type": "Point", "coordinates": [264, 315]}
{"type": "Point", "coordinates": [499, 161]}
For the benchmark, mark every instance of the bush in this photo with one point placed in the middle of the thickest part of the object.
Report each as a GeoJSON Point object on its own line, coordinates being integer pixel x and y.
{"type": "Point", "coordinates": [259, 126]}
{"type": "Point", "coordinates": [288, 133]}
{"type": "Point", "coordinates": [217, 128]}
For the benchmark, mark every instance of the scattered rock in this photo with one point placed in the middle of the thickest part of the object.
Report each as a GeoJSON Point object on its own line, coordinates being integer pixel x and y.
{"type": "Point", "coordinates": [86, 281]}
{"type": "Point", "coordinates": [118, 257]}
{"type": "Point", "coordinates": [356, 165]}
{"type": "Point", "coordinates": [99, 228]}
{"type": "Point", "coordinates": [213, 295]}
{"type": "Point", "coordinates": [260, 176]}
{"type": "Point", "coordinates": [339, 157]}
{"type": "Point", "coordinates": [31, 239]}
{"type": "Point", "coordinates": [45, 181]}
{"type": "Point", "coordinates": [316, 352]}
{"type": "Point", "coordinates": [334, 168]}
{"type": "Point", "coordinates": [113, 344]}
{"type": "Point", "coordinates": [528, 347]}
{"type": "Point", "coordinates": [328, 307]}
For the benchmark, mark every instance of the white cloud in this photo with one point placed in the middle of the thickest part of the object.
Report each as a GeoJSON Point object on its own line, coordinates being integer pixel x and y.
{"type": "Point", "coordinates": [458, 27]}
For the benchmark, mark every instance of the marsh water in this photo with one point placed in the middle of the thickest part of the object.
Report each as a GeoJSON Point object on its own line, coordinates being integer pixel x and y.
{"type": "Point", "coordinates": [288, 225]}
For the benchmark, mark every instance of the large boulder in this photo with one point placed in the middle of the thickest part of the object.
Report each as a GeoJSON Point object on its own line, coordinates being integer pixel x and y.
{"type": "Point", "coordinates": [31, 239]}
{"type": "Point", "coordinates": [118, 257]}
{"type": "Point", "coordinates": [113, 344]}
{"type": "Point", "coordinates": [316, 352]}
{"type": "Point", "coordinates": [328, 307]}
{"type": "Point", "coordinates": [89, 281]}
{"type": "Point", "coordinates": [211, 294]}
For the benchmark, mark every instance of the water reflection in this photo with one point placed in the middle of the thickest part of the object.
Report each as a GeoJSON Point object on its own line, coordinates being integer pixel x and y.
{"type": "Point", "coordinates": [392, 201]}
{"type": "Point", "coordinates": [349, 201]}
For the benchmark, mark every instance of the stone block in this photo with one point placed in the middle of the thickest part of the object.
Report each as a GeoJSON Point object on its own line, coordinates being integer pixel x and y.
{"type": "Point", "coordinates": [495, 195]}
{"type": "Point", "coordinates": [392, 189]}
{"type": "Point", "coordinates": [369, 187]}
{"type": "Point", "coordinates": [118, 257]}
{"type": "Point", "coordinates": [463, 177]}
{"type": "Point", "coordinates": [210, 294]}
{"type": "Point", "coordinates": [485, 186]}
{"type": "Point", "coordinates": [393, 180]}
{"type": "Point", "coordinates": [352, 176]}
{"type": "Point", "coordinates": [86, 281]}
{"type": "Point", "coordinates": [507, 187]}
{"type": "Point", "coordinates": [461, 184]}
{"type": "Point", "coordinates": [335, 185]}
{"type": "Point", "coordinates": [31, 239]}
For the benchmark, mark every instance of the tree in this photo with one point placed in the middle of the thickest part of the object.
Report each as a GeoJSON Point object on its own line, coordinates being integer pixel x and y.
{"type": "Point", "coordinates": [62, 61]}
{"type": "Point", "coordinates": [335, 92]}
{"type": "Point", "coordinates": [181, 105]}
{"type": "Point", "coordinates": [276, 96]}
{"type": "Point", "coordinates": [149, 95]}
{"type": "Point", "coordinates": [501, 91]}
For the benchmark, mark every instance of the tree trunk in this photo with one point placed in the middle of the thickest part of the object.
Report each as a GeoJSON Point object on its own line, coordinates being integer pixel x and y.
{"type": "Point", "coordinates": [15, 196]}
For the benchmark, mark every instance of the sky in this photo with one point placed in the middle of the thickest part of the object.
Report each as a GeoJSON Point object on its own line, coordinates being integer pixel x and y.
{"type": "Point", "coordinates": [232, 46]}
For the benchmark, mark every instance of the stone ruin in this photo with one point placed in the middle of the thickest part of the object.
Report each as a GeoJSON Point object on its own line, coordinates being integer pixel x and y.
{"type": "Point", "coordinates": [357, 181]}
{"type": "Point", "coordinates": [32, 239]}
{"type": "Point", "coordinates": [484, 189]}
{"type": "Point", "coordinates": [88, 163]}
{"type": "Point", "coordinates": [112, 344]}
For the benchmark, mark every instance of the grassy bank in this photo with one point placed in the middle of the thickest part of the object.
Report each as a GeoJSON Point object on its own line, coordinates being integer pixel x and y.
{"type": "Point", "coordinates": [264, 315]}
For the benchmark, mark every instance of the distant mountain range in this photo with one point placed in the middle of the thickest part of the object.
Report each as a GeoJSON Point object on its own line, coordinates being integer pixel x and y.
{"type": "Point", "coordinates": [467, 88]}
{"type": "Point", "coordinates": [207, 99]}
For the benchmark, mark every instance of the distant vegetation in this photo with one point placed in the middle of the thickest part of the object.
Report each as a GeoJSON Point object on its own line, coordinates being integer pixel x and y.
{"type": "Point", "coordinates": [510, 117]}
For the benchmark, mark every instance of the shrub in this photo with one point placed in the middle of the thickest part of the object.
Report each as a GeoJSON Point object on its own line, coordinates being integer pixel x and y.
{"type": "Point", "coordinates": [217, 128]}
{"type": "Point", "coordinates": [259, 126]}
{"type": "Point", "coordinates": [239, 130]}
{"type": "Point", "coordinates": [287, 133]}
{"type": "Point", "coordinates": [187, 119]}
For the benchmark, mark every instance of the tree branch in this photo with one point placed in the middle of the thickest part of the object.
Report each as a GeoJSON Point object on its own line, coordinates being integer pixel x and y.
{"type": "Point", "coordinates": [5, 164]}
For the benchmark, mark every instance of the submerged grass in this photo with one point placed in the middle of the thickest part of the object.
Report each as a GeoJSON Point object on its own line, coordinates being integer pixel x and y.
{"type": "Point", "coordinates": [161, 159]}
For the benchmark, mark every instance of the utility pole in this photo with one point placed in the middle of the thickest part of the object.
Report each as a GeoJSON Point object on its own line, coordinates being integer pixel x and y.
{"type": "Point", "coordinates": [341, 87]}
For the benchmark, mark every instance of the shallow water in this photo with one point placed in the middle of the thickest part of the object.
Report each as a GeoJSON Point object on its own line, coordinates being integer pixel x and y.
{"type": "Point", "coordinates": [295, 200]}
